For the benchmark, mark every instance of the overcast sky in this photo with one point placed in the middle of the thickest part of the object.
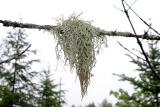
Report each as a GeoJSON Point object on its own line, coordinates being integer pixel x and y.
{"type": "Point", "coordinates": [103, 14]}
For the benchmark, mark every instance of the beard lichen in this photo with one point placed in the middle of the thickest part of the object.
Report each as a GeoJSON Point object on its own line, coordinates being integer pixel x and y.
{"type": "Point", "coordinates": [78, 41]}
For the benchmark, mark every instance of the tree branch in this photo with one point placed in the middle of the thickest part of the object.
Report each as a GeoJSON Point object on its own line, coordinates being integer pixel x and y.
{"type": "Point", "coordinates": [142, 19]}
{"type": "Point", "coordinates": [7, 23]}
{"type": "Point", "coordinates": [130, 51]}
{"type": "Point", "coordinates": [10, 59]}
{"type": "Point", "coordinates": [139, 42]}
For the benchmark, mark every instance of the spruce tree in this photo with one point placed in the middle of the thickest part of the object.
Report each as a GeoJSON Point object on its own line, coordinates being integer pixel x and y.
{"type": "Point", "coordinates": [146, 85]}
{"type": "Point", "coordinates": [105, 103]}
{"type": "Point", "coordinates": [16, 86]}
{"type": "Point", "coordinates": [50, 95]}
{"type": "Point", "coordinates": [91, 105]}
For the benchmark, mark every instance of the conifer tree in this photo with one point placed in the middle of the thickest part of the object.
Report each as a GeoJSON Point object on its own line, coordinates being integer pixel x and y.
{"type": "Point", "coordinates": [16, 86]}
{"type": "Point", "coordinates": [50, 95]}
{"type": "Point", "coordinates": [146, 85]}
{"type": "Point", "coordinates": [91, 105]}
{"type": "Point", "coordinates": [105, 103]}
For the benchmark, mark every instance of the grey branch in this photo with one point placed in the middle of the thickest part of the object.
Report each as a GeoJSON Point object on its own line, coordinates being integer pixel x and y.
{"type": "Point", "coordinates": [8, 23]}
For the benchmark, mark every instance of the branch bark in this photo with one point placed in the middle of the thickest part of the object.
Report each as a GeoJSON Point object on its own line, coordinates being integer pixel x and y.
{"type": "Point", "coordinates": [7, 23]}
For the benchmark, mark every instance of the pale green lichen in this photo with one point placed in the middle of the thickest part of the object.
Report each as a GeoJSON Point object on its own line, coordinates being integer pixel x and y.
{"type": "Point", "coordinates": [78, 40]}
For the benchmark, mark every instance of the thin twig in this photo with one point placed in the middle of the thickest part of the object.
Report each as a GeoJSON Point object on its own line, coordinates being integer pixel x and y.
{"type": "Point", "coordinates": [139, 42]}
{"type": "Point", "coordinates": [130, 51]}
{"type": "Point", "coordinates": [142, 49]}
{"type": "Point", "coordinates": [129, 7]}
{"type": "Point", "coordinates": [118, 8]}
{"type": "Point", "coordinates": [142, 19]}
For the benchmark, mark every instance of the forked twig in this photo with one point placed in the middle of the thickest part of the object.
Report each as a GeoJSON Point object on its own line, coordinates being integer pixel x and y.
{"type": "Point", "coordinates": [141, 18]}
{"type": "Point", "coordinates": [138, 41]}
{"type": "Point", "coordinates": [142, 49]}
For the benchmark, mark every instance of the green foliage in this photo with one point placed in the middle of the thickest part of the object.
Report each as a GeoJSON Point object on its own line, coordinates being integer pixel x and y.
{"type": "Point", "coordinates": [105, 103]}
{"type": "Point", "coordinates": [78, 40]}
{"type": "Point", "coordinates": [124, 99]}
{"type": "Point", "coordinates": [146, 86]}
{"type": "Point", "coordinates": [16, 87]}
{"type": "Point", "coordinates": [91, 105]}
{"type": "Point", "coordinates": [49, 95]}
{"type": "Point", "coordinates": [16, 77]}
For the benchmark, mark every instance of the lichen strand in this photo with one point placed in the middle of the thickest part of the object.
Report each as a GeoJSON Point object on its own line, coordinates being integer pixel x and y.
{"type": "Point", "coordinates": [78, 41]}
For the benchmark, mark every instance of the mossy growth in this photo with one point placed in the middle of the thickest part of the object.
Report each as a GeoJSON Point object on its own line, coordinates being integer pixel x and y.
{"type": "Point", "coordinates": [78, 41]}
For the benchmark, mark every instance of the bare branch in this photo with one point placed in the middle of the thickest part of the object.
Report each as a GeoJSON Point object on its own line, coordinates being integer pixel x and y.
{"type": "Point", "coordinates": [118, 8]}
{"type": "Point", "coordinates": [128, 34]}
{"type": "Point", "coordinates": [8, 23]}
{"type": "Point", "coordinates": [129, 7]}
{"type": "Point", "coordinates": [130, 51]}
{"type": "Point", "coordinates": [138, 41]}
{"type": "Point", "coordinates": [142, 19]}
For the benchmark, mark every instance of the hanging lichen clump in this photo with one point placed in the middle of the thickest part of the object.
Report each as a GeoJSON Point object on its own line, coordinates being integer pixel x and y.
{"type": "Point", "coordinates": [78, 40]}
